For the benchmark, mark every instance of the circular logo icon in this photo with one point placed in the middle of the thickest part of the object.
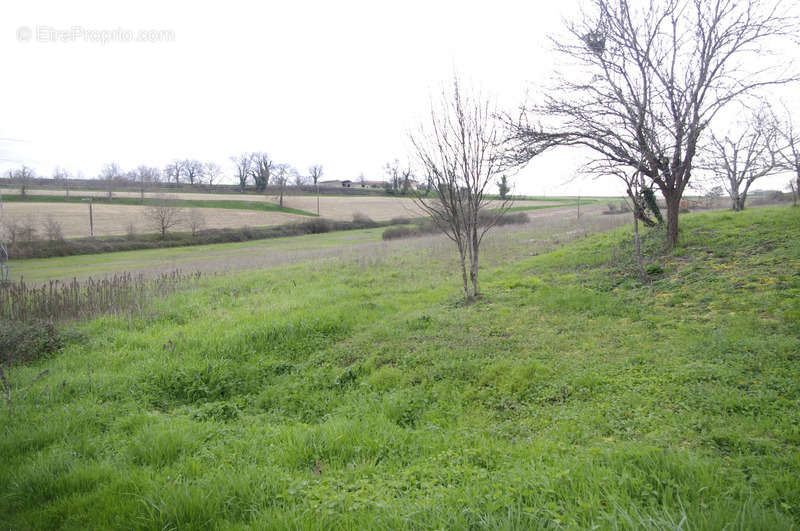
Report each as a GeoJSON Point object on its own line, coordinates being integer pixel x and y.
{"type": "Point", "coordinates": [24, 34]}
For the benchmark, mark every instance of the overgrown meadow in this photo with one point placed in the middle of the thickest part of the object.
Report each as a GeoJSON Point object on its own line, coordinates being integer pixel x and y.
{"type": "Point", "coordinates": [364, 394]}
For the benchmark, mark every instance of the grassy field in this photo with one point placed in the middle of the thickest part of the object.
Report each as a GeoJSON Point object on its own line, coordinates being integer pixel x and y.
{"type": "Point", "coordinates": [362, 393]}
{"type": "Point", "coordinates": [546, 226]}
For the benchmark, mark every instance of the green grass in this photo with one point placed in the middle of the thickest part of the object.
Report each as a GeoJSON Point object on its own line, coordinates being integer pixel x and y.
{"type": "Point", "coordinates": [185, 258]}
{"type": "Point", "coordinates": [339, 396]}
{"type": "Point", "coordinates": [234, 204]}
{"type": "Point", "coordinates": [523, 208]}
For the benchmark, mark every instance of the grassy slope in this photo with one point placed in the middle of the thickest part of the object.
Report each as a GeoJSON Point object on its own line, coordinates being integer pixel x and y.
{"type": "Point", "coordinates": [333, 396]}
{"type": "Point", "coordinates": [231, 204]}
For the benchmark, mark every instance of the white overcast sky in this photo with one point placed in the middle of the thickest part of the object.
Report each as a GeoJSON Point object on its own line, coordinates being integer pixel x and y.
{"type": "Point", "coordinates": [335, 83]}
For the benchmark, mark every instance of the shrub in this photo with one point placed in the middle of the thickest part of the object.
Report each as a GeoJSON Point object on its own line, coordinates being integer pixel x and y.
{"type": "Point", "coordinates": [314, 226]}
{"type": "Point", "coordinates": [509, 218]}
{"type": "Point", "coordinates": [130, 231]}
{"type": "Point", "coordinates": [23, 342]}
{"type": "Point", "coordinates": [52, 229]}
{"type": "Point", "coordinates": [362, 221]}
{"type": "Point", "coordinates": [396, 233]}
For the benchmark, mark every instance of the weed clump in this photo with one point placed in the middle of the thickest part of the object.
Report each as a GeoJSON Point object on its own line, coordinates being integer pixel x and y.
{"type": "Point", "coordinates": [22, 342]}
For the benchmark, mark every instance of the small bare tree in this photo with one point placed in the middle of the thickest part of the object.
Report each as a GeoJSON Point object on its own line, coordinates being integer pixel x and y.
{"type": "Point", "coordinates": [213, 173]}
{"type": "Point", "coordinates": [52, 229]}
{"type": "Point", "coordinates": [300, 180]}
{"type": "Point", "coordinates": [61, 175]}
{"type": "Point", "coordinates": [163, 215]}
{"type": "Point", "coordinates": [145, 176]}
{"type": "Point", "coordinates": [315, 172]}
{"type": "Point", "coordinates": [110, 175]}
{"type": "Point", "coordinates": [283, 174]}
{"type": "Point", "coordinates": [459, 148]}
{"type": "Point", "coordinates": [739, 159]}
{"type": "Point", "coordinates": [196, 221]}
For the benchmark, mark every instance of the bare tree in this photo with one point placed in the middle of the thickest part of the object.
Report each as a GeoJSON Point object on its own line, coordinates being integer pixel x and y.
{"type": "Point", "coordinates": [650, 77]}
{"type": "Point", "coordinates": [283, 174]}
{"type": "Point", "coordinates": [260, 169]}
{"type": "Point", "coordinates": [315, 172]}
{"type": "Point", "coordinates": [175, 171]}
{"type": "Point", "coordinates": [52, 229]}
{"type": "Point", "coordinates": [243, 163]}
{"type": "Point", "coordinates": [459, 148]}
{"type": "Point", "coordinates": [212, 172]}
{"type": "Point", "coordinates": [406, 180]}
{"type": "Point", "coordinates": [300, 179]}
{"type": "Point", "coordinates": [393, 175]}
{"type": "Point", "coordinates": [63, 176]}
{"type": "Point", "coordinates": [145, 176]}
{"type": "Point", "coordinates": [110, 175]}
{"type": "Point", "coordinates": [196, 221]}
{"type": "Point", "coordinates": [22, 177]}
{"type": "Point", "coordinates": [739, 159]}
{"type": "Point", "coordinates": [193, 170]}
{"type": "Point", "coordinates": [163, 215]}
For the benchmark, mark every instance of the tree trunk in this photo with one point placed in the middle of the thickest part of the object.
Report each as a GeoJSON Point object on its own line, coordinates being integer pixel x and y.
{"type": "Point", "coordinates": [639, 262]}
{"type": "Point", "coordinates": [463, 271]}
{"type": "Point", "coordinates": [473, 265]}
{"type": "Point", "coordinates": [673, 208]}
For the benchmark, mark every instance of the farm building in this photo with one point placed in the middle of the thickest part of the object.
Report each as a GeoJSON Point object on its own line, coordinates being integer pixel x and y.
{"type": "Point", "coordinates": [347, 183]}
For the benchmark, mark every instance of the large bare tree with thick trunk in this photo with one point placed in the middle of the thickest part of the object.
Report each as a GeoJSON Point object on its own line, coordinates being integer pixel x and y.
{"type": "Point", "coordinates": [194, 170]}
{"type": "Point", "coordinates": [739, 159]}
{"type": "Point", "coordinates": [22, 177]}
{"type": "Point", "coordinates": [461, 149]}
{"type": "Point", "coordinates": [175, 171]}
{"type": "Point", "coordinates": [647, 79]}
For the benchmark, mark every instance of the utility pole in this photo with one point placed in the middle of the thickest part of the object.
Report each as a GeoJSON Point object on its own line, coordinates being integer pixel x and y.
{"type": "Point", "coordinates": [91, 217]}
